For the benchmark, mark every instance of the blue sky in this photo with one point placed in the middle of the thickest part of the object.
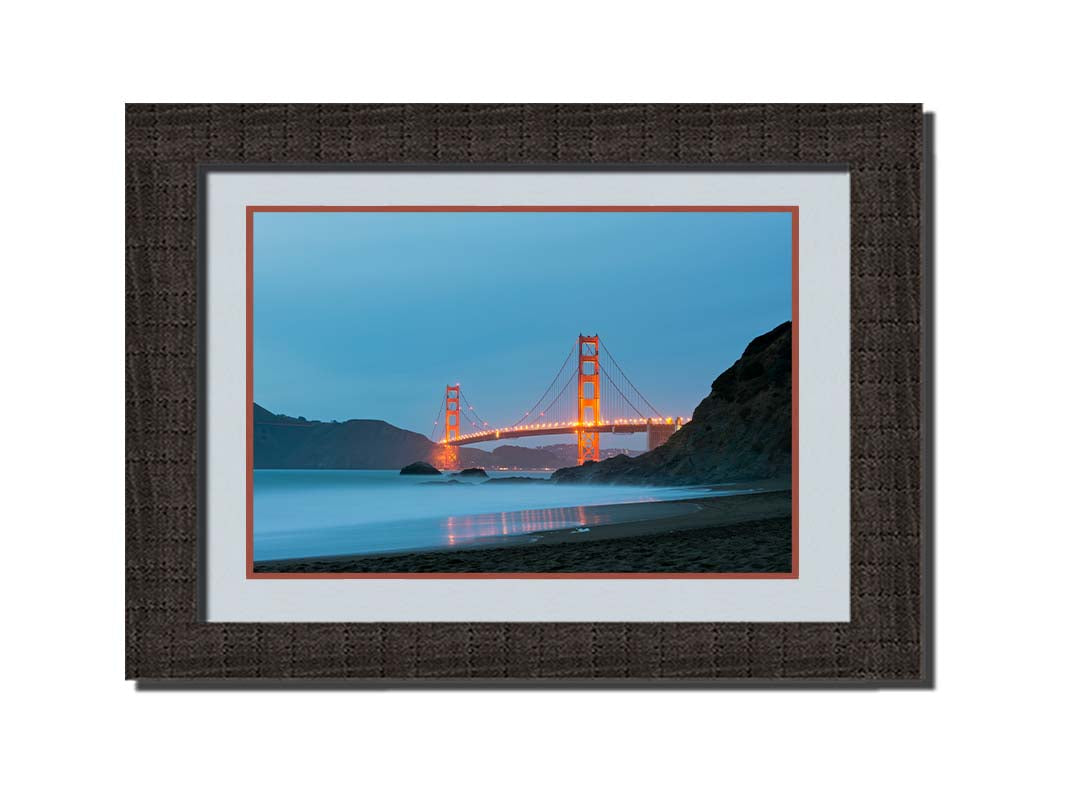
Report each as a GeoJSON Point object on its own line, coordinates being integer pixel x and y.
{"type": "Point", "coordinates": [369, 315]}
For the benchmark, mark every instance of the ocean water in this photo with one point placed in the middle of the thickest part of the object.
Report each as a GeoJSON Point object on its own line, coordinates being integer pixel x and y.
{"type": "Point", "coordinates": [299, 513]}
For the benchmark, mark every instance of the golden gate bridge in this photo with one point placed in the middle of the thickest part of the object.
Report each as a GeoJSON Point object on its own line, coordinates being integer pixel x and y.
{"type": "Point", "coordinates": [589, 396]}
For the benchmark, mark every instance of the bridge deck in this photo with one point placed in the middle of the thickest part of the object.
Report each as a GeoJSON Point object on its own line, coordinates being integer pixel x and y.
{"type": "Point", "coordinates": [549, 429]}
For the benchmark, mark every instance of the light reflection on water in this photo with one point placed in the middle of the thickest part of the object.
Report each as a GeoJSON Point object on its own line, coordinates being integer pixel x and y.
{"type": "Point", "coordinates": [470, 527]}
{"type": "Point", "coordinates": [307, 513]}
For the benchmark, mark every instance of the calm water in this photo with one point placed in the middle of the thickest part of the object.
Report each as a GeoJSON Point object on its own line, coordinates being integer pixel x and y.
{"type": "Point", "coordinates": [339, 512]}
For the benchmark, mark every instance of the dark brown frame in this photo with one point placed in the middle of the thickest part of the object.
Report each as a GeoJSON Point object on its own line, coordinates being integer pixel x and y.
{"type": "Point", "coordinates": [889, 640]}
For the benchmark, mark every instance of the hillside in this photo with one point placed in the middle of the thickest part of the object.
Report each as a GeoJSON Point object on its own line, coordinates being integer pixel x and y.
{"type": "Point", "coordinates": [284, 442]}
{"type": "Point", "coordinates": [741, 431]}
{"type": "Point", "coordinates": [566, 453]}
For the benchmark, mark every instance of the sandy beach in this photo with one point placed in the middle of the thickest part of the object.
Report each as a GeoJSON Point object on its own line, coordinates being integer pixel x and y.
{"type": "Point", "coordinates": [739, 533]}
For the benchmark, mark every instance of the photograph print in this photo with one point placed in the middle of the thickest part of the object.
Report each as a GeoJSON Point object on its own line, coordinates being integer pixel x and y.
{"type": "Point", "coordinates": [522, 392]}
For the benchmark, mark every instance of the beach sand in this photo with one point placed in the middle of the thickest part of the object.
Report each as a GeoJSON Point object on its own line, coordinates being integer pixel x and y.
{"type": "Point", "coordinates": [739, 533]}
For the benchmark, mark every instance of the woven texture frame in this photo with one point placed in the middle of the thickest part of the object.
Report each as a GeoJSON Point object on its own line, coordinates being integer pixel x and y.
{"type": "Point", "coordinates": [886, 643]}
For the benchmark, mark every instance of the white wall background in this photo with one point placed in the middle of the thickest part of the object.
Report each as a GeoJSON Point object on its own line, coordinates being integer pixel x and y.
{"type": "Point", "coordinates": [989, 729]}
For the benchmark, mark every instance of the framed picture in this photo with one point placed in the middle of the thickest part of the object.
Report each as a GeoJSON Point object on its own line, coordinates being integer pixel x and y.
{"type": "Point", "coordinates": [376, 265]}
{"type": "Point", "coordinates": [527, 393]}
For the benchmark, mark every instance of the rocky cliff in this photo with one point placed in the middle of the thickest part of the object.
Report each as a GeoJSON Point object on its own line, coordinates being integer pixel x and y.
{"type": "Point", "coordinates": [742, 431]}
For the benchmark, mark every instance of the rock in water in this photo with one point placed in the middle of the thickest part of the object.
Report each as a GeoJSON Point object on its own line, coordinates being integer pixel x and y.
{"type": "Point", "coordinates": [420, 468]}
{"type": "Point", "coordinates": [742, 431]}
{"type": "Point", "coordinates": [472, 472]}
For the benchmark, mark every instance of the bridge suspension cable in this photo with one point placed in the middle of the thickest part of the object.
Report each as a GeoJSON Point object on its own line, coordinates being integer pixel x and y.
{"type": "Point", "coordinates": [619, 370]}
{"type": "Point", "coordinates": [615, 404]}
{"type": "Point", "coordinates": [554, 382]}
{"type": "Point", "coordinates": [473, 416]}
{"type": "Point", "coordinates": [437, 421]}
{"type": "Point", "coordinates": [563, 409]}
{"type": "Point", "coordinates": [475, 424]}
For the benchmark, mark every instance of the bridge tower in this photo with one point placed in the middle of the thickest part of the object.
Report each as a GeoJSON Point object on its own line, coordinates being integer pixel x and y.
{"type": "Point", "coordinates": [450, 454]}
{"type": "Point", "coordinates": [588, 397]}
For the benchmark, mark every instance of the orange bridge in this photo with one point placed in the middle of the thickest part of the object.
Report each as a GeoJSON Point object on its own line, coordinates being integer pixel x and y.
{"type": "Point", "coordinates": [593, 397]}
